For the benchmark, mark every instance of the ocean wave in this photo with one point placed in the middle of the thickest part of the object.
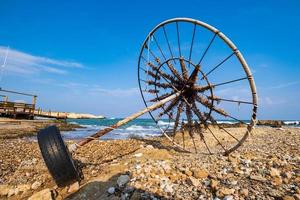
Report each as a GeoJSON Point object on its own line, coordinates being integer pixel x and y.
{"type": "Point", "coordinates": [162, 123]}
{"type": "Point", "coordinates": [138, 128]}
{"type": "Point", "coordinates": [291, 122]}
{"type": "Point", "coordinates": [226, 122]}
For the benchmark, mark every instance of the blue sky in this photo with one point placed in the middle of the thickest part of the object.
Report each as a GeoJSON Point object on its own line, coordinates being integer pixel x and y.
{"type": "Point", "coordinates": [82, 56]}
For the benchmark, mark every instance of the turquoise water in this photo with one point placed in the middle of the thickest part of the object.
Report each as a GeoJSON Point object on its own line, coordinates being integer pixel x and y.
{"type": "Point", "coordinates": [135, 128]}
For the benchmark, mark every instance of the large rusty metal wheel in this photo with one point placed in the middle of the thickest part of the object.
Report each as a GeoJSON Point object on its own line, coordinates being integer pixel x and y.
{"type": "Point", "coordinates": [189, 56]}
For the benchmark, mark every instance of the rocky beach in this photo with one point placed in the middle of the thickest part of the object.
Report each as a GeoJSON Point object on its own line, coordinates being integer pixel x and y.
{"type": "Point", "coordinates": [267, 166]}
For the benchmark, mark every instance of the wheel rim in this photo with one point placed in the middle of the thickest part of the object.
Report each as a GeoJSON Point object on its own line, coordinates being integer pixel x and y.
{"type": "Point", "coordinates": [157, 56]}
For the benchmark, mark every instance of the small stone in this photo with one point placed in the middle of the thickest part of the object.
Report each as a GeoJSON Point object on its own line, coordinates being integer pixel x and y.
{"type": "Point", "coordinates": [36, 185]}
{"type": "Point", "coordinates": [288, 175]}
{"type": "Point", "coordinates": [129, 189]}
{"type": "Point", "coordinates": [297, 196]}
{"type": "Point", "coordinates": [168, 188]}
{"type": "Point", "coordinates": [244, 192]}
{"type": "Point", "coordinates": [258, 178]}
{"type": "Point", "coordinates": [276, 181]}
{"type": "Point", "coordinates": [226, 191]}
{"type": "Point", "coordinates": [74, 187]}
{"type": "Point", "coordinates": [11, 192]}
{"type": "Point", "coordinates": [138, 155]}
{"type": "Point", "coordinates": [233, 182]}
{"type": "Point", "coordinates": [4, 189]}
{"type": "Point", "coordinates": [193, 181]}
{"type": "Point", "coordinates": [111, 190]}
{"type": "Point", "coordinates": [188, 172]}
{"type": "Point", "coordinates": [274, 172]}
{"type": "Point", "coordinates": [136, 195]}
{"type": "Point", "coordinates": [24, 187]}
{"type": "Point", "coordinates": [228, 198]}
{"type": "Point", "coordinates": [199, 173]}
{"type": "Point", "coordinates": [45, 194]}
{"type": "Point", "coordinates": [124, 196]}
{"type": "Point", "coordinates": [149, 146]}
{"type": "Point", "coordinates": [123, 180]}
{"type": "Point", "coordinates": [288, 198]}
{"type": "Point", "coordinates": [214, 184]}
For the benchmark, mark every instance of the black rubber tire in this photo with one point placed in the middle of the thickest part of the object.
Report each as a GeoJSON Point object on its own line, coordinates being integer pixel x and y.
{"type": "Point", "coordinates": [57, 156]}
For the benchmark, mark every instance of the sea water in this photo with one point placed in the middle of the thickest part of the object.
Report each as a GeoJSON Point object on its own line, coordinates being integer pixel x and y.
{"type": "Point", "coordinates": [136, 128]}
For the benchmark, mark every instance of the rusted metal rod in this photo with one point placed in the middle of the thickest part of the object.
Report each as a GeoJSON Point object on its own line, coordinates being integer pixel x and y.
{"type": "Point", "coordinates": [102, 132]}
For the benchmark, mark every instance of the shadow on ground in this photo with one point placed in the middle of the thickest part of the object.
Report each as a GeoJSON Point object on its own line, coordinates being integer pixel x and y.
{"type": "Point", "coordinates": [97, 189]}
{"type": "Point", "coordinates": [159, 145]}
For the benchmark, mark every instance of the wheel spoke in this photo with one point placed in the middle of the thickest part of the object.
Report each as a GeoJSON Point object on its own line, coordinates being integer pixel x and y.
{"type": "Point", "coordinates": [178, 39]}
{"type": "Point", "coordinates": [220, 127]}
{"type": "Point", "coordinates": [192, 43]}
{"type": "Point", "coordinates": [216, 139]}
{"type": "Point", "coordinates": [218, 65]}
{"type": "Point", "coordinates": [228, 100]}
{"type": "Point", "coordinates": [207, 48]}
{"type": "Point", "coordinates": [179, 110]}
{"type": "Point", "coordinates": [154, 56]}
{"type": "Point", "coordinates": [151, 91]}
{"type": "Point", "coordinates": [158, 46]}
{"type": "Point", "coordinates": [183, 69]}
{"type": "Point", "coordinates": [167, 76]}
{"type": "Point", "coordinates": [214, 122]}
{"type": "Point", "coordinates": [190, 124]}
{"type": "Point", "coordinates": [201, 135]}
{"type": "Point", "coordinates": [194, 76]}
{"type": "Point", "coordinates": [169, 107]}
{"type": "Point", "coordinates": [227, 82]}
{"type": "Point", "coordinates": [158, 84]}
{"type": "Point", "coordinates": [175, 72]}
{"type": "Point", "coordinates": [182, 131]}
{"type": "Point", "coordinates": [217, 110]}
{"type": "Point", "coordinates": [159, 98]}
{"type": "Point", "coordinates": [169, 47]}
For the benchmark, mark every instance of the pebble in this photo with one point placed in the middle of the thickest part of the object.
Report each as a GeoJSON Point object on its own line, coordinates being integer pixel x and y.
{"type": "Point", "coordinates": [225, 191]}
{"type": "Point", "coordinates": [199, 173]}
{"type": "Point", "coordinates": [138, 155]}
{"type": "Point", "coordinates": [74, 187]}
{"type": "Point", "coordinates": [228, 198]}
{"type": "Point", "coordinates": [258, 178]}
{"type": "Point", "coordinates": [45, 194]}
{"type": "Point", "coordinates": [214, 184]}
{"type": "Point", "coordinates": [193, 181]}
{"type": "Point", "coordinates": [36, 185]}
{"type": "Point", "coordinates": [123, 180]}
{"type": "Point", "coordinates": [111, 190]}
{"type": "Point", "coordinates": [4, 189]}
{"type": "Point", "coordinates": [274, 172]}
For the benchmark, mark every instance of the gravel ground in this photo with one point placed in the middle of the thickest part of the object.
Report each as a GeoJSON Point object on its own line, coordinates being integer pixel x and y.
{"type": "Point", "coordinates": [267, 166]}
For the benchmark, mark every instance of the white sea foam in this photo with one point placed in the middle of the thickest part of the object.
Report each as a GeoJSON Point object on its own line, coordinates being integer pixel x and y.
{"type": "Point", "coordinates": [225, 122]}
{"type": "Point", "coordinates": [291, 122]}
{"type": "Point", "coordinates": [162, 123]}
{"type": "Point", "coordinates": [136, 128]}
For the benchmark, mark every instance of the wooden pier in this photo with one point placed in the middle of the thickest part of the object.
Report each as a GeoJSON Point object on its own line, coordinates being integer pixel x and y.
{"type": "Point", "coordinates": [17, 109]}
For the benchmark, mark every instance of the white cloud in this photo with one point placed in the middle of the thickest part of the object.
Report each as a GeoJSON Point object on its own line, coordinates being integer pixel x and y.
{"type": "Point", "coordinates": [113, 92]}
{"type": "Point", "coordinates": [21, 63]}
{"type": "Point", "coordinates": [284, 85]}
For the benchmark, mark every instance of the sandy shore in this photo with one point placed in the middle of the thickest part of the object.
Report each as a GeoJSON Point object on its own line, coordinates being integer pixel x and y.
{"type": "Point", "coordinates": [267, 166]}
